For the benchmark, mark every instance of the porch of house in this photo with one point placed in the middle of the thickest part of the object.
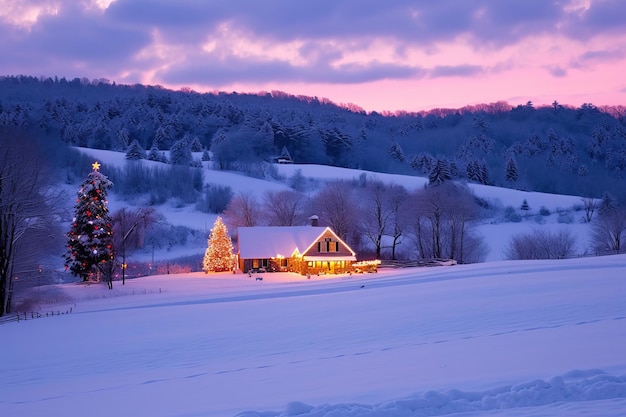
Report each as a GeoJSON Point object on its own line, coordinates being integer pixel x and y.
{"type": "Point", "coordinates": [298, 265]}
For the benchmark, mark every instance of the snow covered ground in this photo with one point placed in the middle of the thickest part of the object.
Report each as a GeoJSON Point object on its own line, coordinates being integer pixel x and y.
{"type": "Point", "coordinates": [496, 233]}
{"type": "Point", "coordinates": [503, 338]}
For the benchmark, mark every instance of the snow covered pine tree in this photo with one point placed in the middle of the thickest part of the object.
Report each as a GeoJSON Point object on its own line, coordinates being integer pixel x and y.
{"type": "Point", "coordinates": [90, 240]}
{"type": "Point", "coordinates": [135, 151]}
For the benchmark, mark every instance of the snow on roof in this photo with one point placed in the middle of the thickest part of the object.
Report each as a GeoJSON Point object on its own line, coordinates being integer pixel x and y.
{"type": "Point", "coordinates": [262, 242]}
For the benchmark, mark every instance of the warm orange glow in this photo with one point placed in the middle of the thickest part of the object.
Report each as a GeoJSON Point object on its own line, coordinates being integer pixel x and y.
{"type": "Point", "coordinates": [327, 229]}
{"type": "Point", "coordinates": [367, 263]}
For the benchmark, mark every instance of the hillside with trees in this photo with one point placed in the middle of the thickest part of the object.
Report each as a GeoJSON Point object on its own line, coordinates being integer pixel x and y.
{"type": "Point", "coordinates": [556, 149]}
{"type": "Point", "coordinates": [172, 144]}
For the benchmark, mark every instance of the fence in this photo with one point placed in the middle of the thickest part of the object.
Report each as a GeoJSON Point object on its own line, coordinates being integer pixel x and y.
{"type": "Point", "coordinates": [32, 315]}
{"type": "Point", "coordinates": [388, 263]}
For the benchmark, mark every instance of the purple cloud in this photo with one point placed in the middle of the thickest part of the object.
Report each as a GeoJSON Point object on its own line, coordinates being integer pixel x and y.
{"type": "Point", "coordinates": [490, 21]}
{"type": "Point", "coordinates": [73, 36]}
{"type": "Point", "coordinates": [604, 55]}
{"type": "Point", "coordinates": [558, 72]}
{"type": "Point", "coordinates": [332, 41]}
{"type": "Point", "coordinates": [234, 70]}
{"type": "Point", "coordinates": [455, 71]}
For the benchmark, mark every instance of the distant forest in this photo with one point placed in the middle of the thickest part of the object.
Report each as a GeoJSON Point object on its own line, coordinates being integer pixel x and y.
{"type": "Point", "coordinates": [555, 149]}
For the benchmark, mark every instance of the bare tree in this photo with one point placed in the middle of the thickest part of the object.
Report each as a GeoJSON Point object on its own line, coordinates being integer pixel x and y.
{"type": "Point", "coordinates": [26, 198]}
{"type": "Point", "coordinates": [335, 207]}
{"type": "Point", "coordinates": [242, 211]}
{"type": "Point", "coordinates": [435, 203]}
{"type": "Point", "coordinates": [129, 228]}
{"type": "Point", "coordinates": [376, 213]}
{"type": "Point", "coordinates": [590, 205]}
{"type": "Point", "coordinates": [609, 230]}
{"type": "Point", "coordinates": [441, 219]}
{"type": "Point", "coordinates": [416, 224]}
{"type": "Point", "coordinates": [398, 201]}
{"type": "Point", "coordinates": [284, 208]}
{"type": "Point", "coordinates": [542, 244]}
{"type": "Point", "coordinates": [460, 215]}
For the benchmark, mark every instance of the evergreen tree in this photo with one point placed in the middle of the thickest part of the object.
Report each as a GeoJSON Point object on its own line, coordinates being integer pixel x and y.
{"type": "Point", "coordinates": [511, 174]}
{"type": "Point", "coordinates": [219, 253]}
{"type": "Point", "coordinates": [395, 151]}
{"type": "Point", "coordinates": [180, 153]}
{"type": "Point", "coordinates": [123, 139]}
{"type": "Point", "coordinates": [454, 170]}
{"type": "Point", "coordinates": [160, 138]}
{"type": "Point", "coordinates": [194, 143]}
{"type": "Point", "coordinates": [473, 171]}
{"type": "Point", "coordinates": [477, 171]}
{"type": "Point", "coordinates": [70, 134]}
{"type": "Point", "coordinates": [155, 155]}
{"type": "Point", "coordinates": [90, 240]}
{"type": "Point", "coordinates": [608, 205]}
{"type": "Point", "coordinates": [525, 205]}
{"type": "Point", "coordinates": [440, 172]}
{"type": "Point", "coordinates": [135, 151]}
{"type": "Point", "coordinates": [423, 163]}
{"type": "Point", "coordinates": [484, 173]}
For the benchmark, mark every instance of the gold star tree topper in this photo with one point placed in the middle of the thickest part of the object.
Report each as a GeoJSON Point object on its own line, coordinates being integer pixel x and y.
{"type": "Point", "coordinates": [95, 166]}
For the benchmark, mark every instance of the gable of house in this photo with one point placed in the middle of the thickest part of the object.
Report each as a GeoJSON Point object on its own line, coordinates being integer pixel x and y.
{"type": "Point", "coordinates": [328, 246]}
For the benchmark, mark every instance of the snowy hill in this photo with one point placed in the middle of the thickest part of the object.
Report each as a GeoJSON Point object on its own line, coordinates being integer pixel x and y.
{"type": "Point", "coordinates": [512, 338]}
{"type": "Point", "coordinates": [496, 232]}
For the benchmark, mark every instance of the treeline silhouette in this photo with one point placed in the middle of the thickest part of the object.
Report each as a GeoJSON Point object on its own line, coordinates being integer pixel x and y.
{"type": "Point", "coordinates": [556, 148]}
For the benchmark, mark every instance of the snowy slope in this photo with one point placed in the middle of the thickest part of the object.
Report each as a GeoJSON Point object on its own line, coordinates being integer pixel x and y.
{"type": "Point", "coordinates": [512, 338]}
{"type": "Point", "coordinates": [496, 234]}
{"type": "Point", "coordinates": [496, 195]}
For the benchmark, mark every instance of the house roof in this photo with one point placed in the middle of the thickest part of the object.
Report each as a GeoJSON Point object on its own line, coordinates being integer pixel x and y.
{"type": "Point", "coordinates": [272, 241]}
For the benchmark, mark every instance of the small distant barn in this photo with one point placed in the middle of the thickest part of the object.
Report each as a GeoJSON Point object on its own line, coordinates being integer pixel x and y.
{"type": "Point", "coordinates": [284, 157]}
{"type": "Point", "coordinates": [301, 249]}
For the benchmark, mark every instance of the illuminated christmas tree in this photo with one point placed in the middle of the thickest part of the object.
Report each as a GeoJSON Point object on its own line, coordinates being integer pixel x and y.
{"type": "Point", "coordinates": [90, 240]}
{"type": "Point", "coordinates": [219, 253]}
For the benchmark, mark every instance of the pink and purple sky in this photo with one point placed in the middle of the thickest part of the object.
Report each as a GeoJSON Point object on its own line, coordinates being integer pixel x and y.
{"type": "Point", "coordinates": [397, 55]}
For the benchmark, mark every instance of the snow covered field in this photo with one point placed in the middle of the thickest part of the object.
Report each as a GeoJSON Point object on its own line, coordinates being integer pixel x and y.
{"type": "Point", "coordinates": [508, 338]}
{"type": "Point", "coordinates": [502, 338]}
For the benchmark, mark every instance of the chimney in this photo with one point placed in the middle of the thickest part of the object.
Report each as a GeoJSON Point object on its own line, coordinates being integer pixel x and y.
{"type": "Point", "coordinates": [314, 220]}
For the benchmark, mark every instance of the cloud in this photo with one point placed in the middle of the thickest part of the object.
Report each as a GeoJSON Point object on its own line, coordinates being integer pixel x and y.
{"type": "Point", "coordinates": [557, 71]}
{"type": "Point", "coordinates": [405, 21]}
{"type": "Point", "coordinates": [455, 71]}
{"type": "Point", "coordinates": [601, 17]}
{"type": "Point", "coordinates": [208, 70]}
{"type": "Point", "coordinates": [596, 57]}
{"type": "Point", "coordinates": [74, 36]}
{"type": "Point", "coordinates": [601, 55]}
{"type": "Point", "coordinates": [249, 42]}
{"type": "Point", "coordinates": [605, 15]}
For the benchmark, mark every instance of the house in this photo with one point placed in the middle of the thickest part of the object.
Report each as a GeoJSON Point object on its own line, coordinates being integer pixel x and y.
{"type": "Point", "coordinates": [302, 249]}
{"type": "Point", "coordinates": [284, 157]}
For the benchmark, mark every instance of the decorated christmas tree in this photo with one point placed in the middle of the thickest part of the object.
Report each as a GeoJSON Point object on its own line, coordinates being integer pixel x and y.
{"type": "Point", "coordinates": [219, 253]}
{"type": "Point", "coordinates": [90, 240]}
